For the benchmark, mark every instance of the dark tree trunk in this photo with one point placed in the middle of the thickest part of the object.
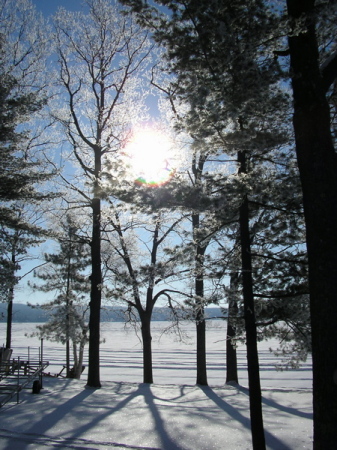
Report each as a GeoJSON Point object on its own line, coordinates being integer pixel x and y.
{"type": "Point", "coordinates": [9, 318]}
{"type": "Point", "coordinates": [67, 315]}
{"type": "Point", "coordinates": [67, 358]}
{"type": "Point", "coordinates": [10, 301]}
{"type": "Point", "coordinates": [147, 348]}
{"type": "Point", "coordinates": [95, 298]}
{"type": "Point", "coordinates": [201, 348]}
{"type": "Point", "coordinates": [231, 358]}
{"type": "Point", "coordinates": [318, 171]}
{"type": "Point", "coordinates": [199, 305]}
{"type": "Point", "coordinates": [255, 397]}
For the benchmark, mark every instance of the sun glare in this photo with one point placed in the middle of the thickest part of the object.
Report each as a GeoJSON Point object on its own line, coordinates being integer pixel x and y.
{"type": "Point", "coordinates": [148, 155]}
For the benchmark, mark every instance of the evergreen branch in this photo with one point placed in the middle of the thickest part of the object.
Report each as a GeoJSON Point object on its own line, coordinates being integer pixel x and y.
{"type": "Point", "coordinates": [284, 295]}
{"type": "Point", "coordinates": [329, 71]}
{"type": "Point", "coordinates": [273, 207]}
{"type": "Point", "coordinates": [273, 258]}
{"type": "Point", "coordinates": [32, 270]}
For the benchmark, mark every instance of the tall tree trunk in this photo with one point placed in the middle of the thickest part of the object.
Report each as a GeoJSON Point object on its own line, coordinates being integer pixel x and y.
{"type": "Point", "coordinates": [78, 371]}
{"type": "Point", "coordinates": [255, 396]}
{"type": "Point", "coordinates": [95, 298]}
{"type": "Point", "coordinates": [78, 361]}
{"type": "Point", "coordinates": [11, 299]}
{"type": "Point", "coordinates": [201, 347]}
{"type": "Point", "coordinates": [318, 171]}
{"type": "Point", "coordinates": [199, 305]}
{"type": "Point", "coordinates": [231, 357]}
{"type": "Point", "coordinates": [9, 318]}
{"type": "Point", "coordinates": [75, 354]}
{"type": "Point", "coordinates": [67, 358]}
{"type": "Point", "coordinates": [147, 347]}
{"type": "Point", "coordinates": [68, 319]}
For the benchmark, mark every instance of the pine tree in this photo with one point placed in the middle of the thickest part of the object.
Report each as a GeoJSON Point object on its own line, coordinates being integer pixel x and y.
{"type": "Point", "coordinates": [15, 244]}
{"type": "Point", "coordinates": [64, 274]}
{"type": "Point", "coordinates": [317, 163]}
{"type": "Point", "coordinates": [18, 174]}
{"type": "Point", "coordinates": [23, 171]}
{"type": "Point", "coordinates": [22, 97]}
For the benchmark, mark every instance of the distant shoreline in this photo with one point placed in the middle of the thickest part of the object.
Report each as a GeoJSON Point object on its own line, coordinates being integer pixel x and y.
{"type": "Point", "coordinates": [26, 314]}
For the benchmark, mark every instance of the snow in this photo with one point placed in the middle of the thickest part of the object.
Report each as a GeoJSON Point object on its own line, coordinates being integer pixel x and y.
{"type": "Point", "coordinates": [171, 414]}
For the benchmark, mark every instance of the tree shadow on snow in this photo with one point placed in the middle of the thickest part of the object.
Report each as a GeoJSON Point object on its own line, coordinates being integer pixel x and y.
{"type": "Point", "coordinates": [50, 419]}
{"type": "Point", "coordinates": [271, 440]}
{"type": "Point", "coordinates": [166, 441]}
{"type": "Point", "coordinates": [37, 431]}
{"type": "Point", "coordinates": [274, 404]}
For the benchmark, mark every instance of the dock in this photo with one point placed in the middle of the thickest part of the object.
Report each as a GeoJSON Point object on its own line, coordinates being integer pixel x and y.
{"type": "Point", "coordinates": [17, 374]}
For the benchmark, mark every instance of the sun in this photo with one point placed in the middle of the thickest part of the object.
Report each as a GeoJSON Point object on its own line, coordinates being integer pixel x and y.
{"type": "Point", "coordinates": [149, 157]}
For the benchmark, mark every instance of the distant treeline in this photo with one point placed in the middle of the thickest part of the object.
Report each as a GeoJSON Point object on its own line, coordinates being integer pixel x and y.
{"type": "Point", "coordinates": [25, 313]}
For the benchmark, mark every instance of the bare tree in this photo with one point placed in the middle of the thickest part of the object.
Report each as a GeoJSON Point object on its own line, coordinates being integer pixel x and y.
{"type": "Point", "coordinates": [100, 55]}
{"type": "Point", "coordinates": [145, 267]}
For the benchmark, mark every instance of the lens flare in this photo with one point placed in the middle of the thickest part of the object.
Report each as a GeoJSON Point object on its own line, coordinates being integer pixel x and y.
{"type": "Point", "coordinates": [148, 157]}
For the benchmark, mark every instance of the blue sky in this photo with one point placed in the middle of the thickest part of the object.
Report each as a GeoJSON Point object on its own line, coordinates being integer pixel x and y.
{"type": "Point", "coordinates": [22, 292]}
{"type": "Point", "coordinates": [48, 7]}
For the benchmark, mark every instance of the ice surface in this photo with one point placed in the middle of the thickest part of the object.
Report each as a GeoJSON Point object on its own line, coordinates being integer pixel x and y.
{"type": "Point", "coordinates": [171, 414]}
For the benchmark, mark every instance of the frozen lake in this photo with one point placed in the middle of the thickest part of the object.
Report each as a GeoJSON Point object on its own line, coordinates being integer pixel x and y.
{"type": "Point", "coordinates": [173, 360]}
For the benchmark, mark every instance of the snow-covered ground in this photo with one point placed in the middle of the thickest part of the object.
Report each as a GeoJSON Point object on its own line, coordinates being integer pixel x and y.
{"type": "Point", "coordinates": [171, 414]}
